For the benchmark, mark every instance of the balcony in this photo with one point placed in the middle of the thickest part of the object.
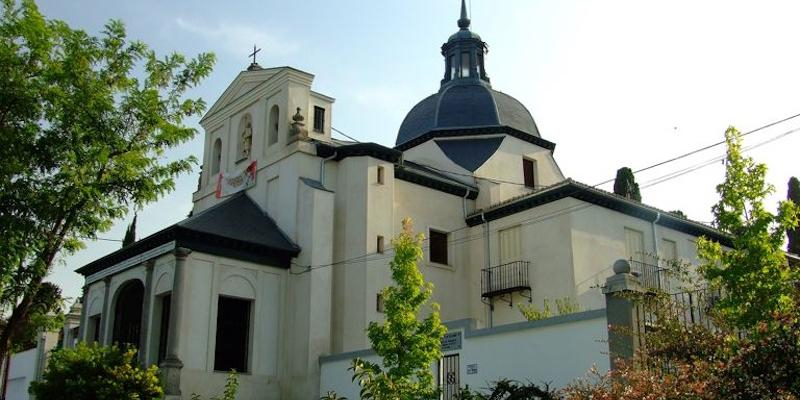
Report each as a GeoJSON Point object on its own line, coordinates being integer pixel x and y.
{"type": "Point", "coordinates": [652, 276]}
{"type": "Point", "coordinates": [506, 278]}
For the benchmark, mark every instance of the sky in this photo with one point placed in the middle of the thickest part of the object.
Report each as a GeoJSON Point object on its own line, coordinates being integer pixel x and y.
{"type": "Point", "coordinates": [613, 83]}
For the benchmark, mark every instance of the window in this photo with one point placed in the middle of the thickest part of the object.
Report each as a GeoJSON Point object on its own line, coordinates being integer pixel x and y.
{"type": "Point", "coordinates": [510, 245]}
{"type": "Point", "coordinates": [319, 119]}
{"type": "Point", "coordinates": [529, 172]}
{"type": "Point", "coordinates": [93, 333]}
{"type": "Point", "coordinates": [669, 251]}
{"type": "Point", "coordinates": [233, 334]}
{"type": "Point", "coordinates": [379, 246]}
{"type": "Point", "coordinates": [481, 72]}
{"type": "Point", "coordinates": [216, 156]}
{"type": "Point", "coordinates": [163, 330]}
{"type": "Point", "coordinates": [438, 247]}
{"type": "Point", "coordinates": [453, 67]}
{"type": "Point", "coordinates": [634, 244]}
{"type": "Point", "coordinates": [380, 175]}
{"type": "Point", "coordinates": [274, 115]}
{"type": "Point", "coordinates": [379, 304]}
{"type": "Point", "coordinates": [465, 65]}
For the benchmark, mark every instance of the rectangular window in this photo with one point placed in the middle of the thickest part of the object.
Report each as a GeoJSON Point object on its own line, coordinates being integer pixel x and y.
{"type": "Point", "coordinates": [634, 244]}
{"type": "Point", "coordinates": [319, 119]}
{"type": "Point", "coordinates": [380, 175]}
{"type": "Point", "coordinates": [163, 329]}
{"type": "Point", "coordinates": [95, 322]}
{"type": "Point", "coordinates": [529, 172]}
{"type": "Point", "coordinates": [510, 245]}
{"type": "Point", "coordinates": [379, 305]}
{"type": "Point", "coordinates": [453, 67]}
{"type": "Point", "coordinates": [379, 246]}
{"type": "Point", "coordinates": [465, 65]}
{"type": "Point", "coordinates": [669, 252]}
{"type": "Point", "coordinates": [233, 334]}
{"type": "Point", "coordinates": [438, 247]}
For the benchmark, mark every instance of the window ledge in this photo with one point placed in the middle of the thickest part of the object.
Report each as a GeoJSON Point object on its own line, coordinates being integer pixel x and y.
{"type": "Point", "coordinates": [441, 266]}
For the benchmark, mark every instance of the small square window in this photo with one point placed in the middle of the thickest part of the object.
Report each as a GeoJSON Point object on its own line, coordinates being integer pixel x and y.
{"type": "Point", "coordinates": [438, 247]}
{"type": "Point", "coordinates": [379, 246]}
{"type": "Point", "coordinates": [319, 119]}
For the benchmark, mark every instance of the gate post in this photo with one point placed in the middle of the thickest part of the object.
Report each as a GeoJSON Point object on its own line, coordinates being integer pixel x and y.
{"type": "Point", "coordinates": [621, 313]}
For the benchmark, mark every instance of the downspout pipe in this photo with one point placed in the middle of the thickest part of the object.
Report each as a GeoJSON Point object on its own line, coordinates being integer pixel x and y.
{"type": "Point", "coordinates": [322, 168]}
{"type": "Point", "coordinates": [464, 202]}
{"type": "Point", "coordinates": [487, 261]}
{"type": "Point", "coordinates": [655, 248]}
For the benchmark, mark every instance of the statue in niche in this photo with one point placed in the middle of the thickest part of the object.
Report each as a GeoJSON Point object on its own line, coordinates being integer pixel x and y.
{"type": "Point", "coordinates": [246, 138]}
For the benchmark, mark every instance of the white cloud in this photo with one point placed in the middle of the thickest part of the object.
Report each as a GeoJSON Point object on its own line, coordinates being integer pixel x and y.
{"type": "Point", "coordinates": [236, 37]}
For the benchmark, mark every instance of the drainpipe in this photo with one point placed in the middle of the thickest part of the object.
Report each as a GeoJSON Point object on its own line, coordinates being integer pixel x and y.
{"type": "Point", "coordinates": [464, 202]}
{"type": "Point", "coordinates": [655, 249]}
{"type": "Point", "coordinates": [487, 261]}
{"type": "Point", "coordinates": [322, 168]}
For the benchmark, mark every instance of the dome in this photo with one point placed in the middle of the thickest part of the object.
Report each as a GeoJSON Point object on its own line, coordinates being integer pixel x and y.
{"type": "Point", "coordinates": [464, 106]}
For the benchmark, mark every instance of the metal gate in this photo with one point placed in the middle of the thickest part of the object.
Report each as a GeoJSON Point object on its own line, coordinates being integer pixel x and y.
{"type": "Point", "coordinates": [449, 376]}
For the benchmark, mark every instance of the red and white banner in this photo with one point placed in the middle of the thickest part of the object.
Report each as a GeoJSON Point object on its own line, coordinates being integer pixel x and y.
{"type": "Point", "coordinates": [228, 184]}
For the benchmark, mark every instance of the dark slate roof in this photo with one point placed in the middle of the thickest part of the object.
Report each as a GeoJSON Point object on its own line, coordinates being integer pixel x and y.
{"type": "Point", "coordinates": [602, 198]}
{"type": "Point", "coordinates": [429, 177]}
{"type": "Point", "coordinates": [467, 105]}
{"type": "Point", "coordinates": [235, 228]}
{"type": "Point", "coordinates": [313, 183]}
{"type": "Point", "coordinates": [470, 154]}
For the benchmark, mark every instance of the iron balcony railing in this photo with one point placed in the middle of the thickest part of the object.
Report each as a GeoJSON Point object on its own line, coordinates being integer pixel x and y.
{"type": "Point", "coordinates": [652, 276]}
{"type": "Point", "coordinates": [505, 278]}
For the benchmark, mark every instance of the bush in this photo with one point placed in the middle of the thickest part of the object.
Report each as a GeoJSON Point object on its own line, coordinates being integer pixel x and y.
{"type": "Point", "coordinates": [94, 372]}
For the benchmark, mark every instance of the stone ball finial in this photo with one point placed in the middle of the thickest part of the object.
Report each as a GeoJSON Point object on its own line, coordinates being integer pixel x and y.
{"type": "Point", "coordinates": [622, 266]}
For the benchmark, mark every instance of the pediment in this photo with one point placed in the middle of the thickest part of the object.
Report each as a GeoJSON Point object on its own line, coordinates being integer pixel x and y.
{"type": "Point", "coordinates": [246, 82]}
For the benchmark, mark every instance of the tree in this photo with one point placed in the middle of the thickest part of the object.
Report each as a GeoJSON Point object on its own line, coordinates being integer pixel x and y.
{"type": "Point", "coordinates": [406, 345]}
{"type": "Point", "coordinates": [130, 233]}
{"type": "Point", "coordinates": [753, 274]}
{"type": "Point", "coordinates": [625, 184]}
{"type": "Point", "coordinates": [45, 314]}
{"type": "Point", "coordinates": [84, 125]}
{"type": "Point", "coordinates": [95, 372]}
{"type": "Point", "coordinates": [794, 234]}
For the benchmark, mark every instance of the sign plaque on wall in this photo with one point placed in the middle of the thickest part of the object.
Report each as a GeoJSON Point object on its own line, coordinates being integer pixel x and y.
{"type": "Point", "coordinates": [451, 341]}
{"type": "Point", "coordinates": [472, 369]}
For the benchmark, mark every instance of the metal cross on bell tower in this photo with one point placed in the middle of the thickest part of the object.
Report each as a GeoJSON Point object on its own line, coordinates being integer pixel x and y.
{"type": "Point", "coordinates": [254, 65]}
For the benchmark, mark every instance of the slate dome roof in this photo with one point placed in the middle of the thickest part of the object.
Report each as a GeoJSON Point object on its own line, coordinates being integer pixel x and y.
{"type": "Point", "coordinates": [468, 105]}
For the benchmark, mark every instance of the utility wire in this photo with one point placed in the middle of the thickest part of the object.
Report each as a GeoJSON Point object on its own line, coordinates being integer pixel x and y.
{"type": "Point", "coordinates": [663, 178]}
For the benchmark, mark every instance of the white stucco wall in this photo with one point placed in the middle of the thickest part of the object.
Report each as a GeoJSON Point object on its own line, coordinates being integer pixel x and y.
{"type": "Point", "coordinates": [21, 372]}
{"type": "Point", "coordinates": [555, 351]}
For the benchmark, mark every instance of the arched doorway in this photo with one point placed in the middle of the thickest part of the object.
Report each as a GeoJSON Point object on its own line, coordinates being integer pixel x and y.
{"type": "Point", "coordinates": [128, 314]}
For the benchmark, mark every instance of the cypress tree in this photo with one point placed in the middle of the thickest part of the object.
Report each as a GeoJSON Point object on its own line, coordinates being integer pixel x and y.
{"type": "Point", "coordinates": [625, 184]}
{"type": "Point", "coordinates": [794, 234]}
{"type": "Point", "coordinates": [130, 233]}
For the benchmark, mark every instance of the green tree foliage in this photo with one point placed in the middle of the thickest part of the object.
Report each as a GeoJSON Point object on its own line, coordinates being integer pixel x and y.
{"type": "Point", "coordinates": [130, 233]}
{"type": "Point", "coordinates": [625, 184]}
{"type": "Point", "coordinates": [94, 372]}
{"type": "Point", "coordinates": [794, 234]}
{"type": "Point", "coordinates": [44, 314]}
{"type": "Point", "coordinates": [408, 346]}
{"type": "Point", "coordinates": [84, 125]}
{"type": "Point", "coordinates": [754, 274]}
{"type": "Point", "coordinates": [564, 306]}
{"type": "Point", "coordinates": [679, 214]}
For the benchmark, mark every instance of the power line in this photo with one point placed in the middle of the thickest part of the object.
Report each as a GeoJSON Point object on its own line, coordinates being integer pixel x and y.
{"type": "Point", "coordinates": [653, 182]}
{"type": "Point", "coordinates": [345, 135]}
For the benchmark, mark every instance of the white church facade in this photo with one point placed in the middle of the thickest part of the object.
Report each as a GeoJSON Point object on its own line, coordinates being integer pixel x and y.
{"type": "Point", "coordinates": [277, 271]}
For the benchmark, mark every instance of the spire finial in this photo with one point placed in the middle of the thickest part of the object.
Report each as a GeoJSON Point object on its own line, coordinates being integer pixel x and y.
{"type": "Point", "coordinates": [463, 22]}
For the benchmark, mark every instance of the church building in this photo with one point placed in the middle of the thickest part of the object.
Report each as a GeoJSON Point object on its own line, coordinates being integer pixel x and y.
{"type": "Point", "coordinates": [278, 270]}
